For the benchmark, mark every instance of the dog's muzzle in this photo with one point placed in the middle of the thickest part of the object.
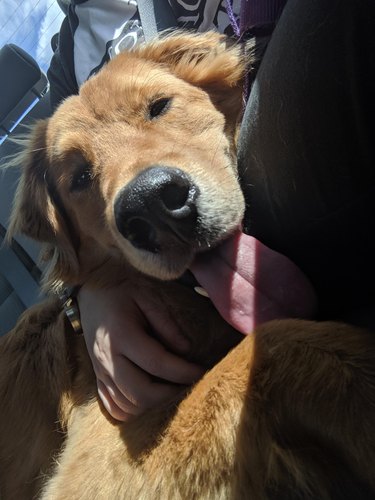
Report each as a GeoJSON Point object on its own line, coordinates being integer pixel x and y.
{"type": "Point", "coordinates": [156, 208]}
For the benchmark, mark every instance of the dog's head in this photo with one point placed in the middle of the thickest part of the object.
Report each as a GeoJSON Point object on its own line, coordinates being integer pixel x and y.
{"type": "Point", "coordinates": [142, 163]}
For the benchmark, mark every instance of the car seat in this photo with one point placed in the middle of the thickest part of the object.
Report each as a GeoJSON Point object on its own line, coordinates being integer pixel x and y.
{"type": "Point", "coordinates": [22, 84]}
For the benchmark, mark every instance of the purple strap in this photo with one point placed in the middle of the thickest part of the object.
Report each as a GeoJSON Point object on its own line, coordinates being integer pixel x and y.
{"type": "Point", "coordinates": [232, 18]}
{"type": "Point", "coordinates": [254, 13]}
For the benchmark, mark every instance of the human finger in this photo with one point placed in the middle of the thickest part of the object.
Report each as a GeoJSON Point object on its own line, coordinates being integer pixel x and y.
{"type": "Point", "coordinates": [109, 404]}
{"type": "Point", "coordinates": [149, 354]}
{"type": "Point", "coordinates": [137, 391]}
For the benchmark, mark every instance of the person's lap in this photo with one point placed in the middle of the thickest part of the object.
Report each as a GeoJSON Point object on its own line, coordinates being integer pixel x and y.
{"type": "Point", "coordinates": [306, 154]}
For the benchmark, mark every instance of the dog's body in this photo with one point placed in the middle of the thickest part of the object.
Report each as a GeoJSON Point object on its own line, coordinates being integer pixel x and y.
{"type": "Point", "coordinates": [288, 413]}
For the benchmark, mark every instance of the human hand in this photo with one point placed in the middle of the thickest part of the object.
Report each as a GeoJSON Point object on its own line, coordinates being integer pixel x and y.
{"type": "Point", "coordinates": [126, 329]}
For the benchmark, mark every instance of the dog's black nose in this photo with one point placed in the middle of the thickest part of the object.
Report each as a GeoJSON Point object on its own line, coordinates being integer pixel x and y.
{"type": "Point", "coordinates": [155, 205]}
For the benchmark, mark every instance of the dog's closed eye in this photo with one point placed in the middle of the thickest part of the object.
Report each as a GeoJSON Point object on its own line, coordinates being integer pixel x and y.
{"type": "Point", "coordinates": [159, 107]}
{"type": "Point", "coordinates": [82, 178]}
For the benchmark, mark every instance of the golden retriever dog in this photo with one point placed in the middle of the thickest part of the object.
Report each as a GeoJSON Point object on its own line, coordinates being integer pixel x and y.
{"type": "Point", "coordinates": [127, 182]}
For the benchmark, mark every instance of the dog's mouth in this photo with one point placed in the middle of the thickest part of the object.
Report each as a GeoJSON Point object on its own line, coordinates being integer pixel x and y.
{"type": "Point", "coordinates": [167, 225]}
{"type": "Point", "coordinates": [160, 217]}
{"type": "Point", "coordinates": [166, 254]}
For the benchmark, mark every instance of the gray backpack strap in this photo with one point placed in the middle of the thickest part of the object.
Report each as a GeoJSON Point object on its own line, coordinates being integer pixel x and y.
{"type": "Point", "coordinates": [156, 16]}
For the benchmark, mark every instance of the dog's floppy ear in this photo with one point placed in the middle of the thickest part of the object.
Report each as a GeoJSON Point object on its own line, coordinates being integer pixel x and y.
{"type": "Point", "coordinates": [34, 212]}
{"type": "Point", "coordinates": [200, 59]}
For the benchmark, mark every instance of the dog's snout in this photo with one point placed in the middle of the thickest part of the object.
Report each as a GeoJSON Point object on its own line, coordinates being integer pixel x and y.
{"type": "Point", "coordinates": [160, 200]}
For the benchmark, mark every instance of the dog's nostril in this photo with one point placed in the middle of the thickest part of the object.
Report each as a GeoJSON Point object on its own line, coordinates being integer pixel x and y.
{"type": "Point", "coordinates": [156, 207]}
{"type": "Point", "coordinates": [174, 196]}
{"type": "Point", "coordinates": [142, 235]}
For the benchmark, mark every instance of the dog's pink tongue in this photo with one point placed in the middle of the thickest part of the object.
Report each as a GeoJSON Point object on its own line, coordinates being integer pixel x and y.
{"type": "Point", "coordinates": [248, 283]}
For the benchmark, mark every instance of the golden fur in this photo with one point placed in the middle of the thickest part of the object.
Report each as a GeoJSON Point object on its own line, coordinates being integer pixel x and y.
{"type": "Point", "coordinates": [288, 413]}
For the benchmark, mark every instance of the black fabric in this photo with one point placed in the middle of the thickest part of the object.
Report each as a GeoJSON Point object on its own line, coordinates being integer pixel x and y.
{"type": "Point", "coordinates": [61, 74]}
{"type": "Point", "coordinates": [306, 152]}
{"type": "Point", "coordinates": [64, 5]}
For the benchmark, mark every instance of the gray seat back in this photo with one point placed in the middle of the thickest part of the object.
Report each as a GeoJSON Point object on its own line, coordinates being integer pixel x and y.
{"type": "Point", "coordinates": [22, 83]}
{"type": "Point", "coordinates": [19, 270]}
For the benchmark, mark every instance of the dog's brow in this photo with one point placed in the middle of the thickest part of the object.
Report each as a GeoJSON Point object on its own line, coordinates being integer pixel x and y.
{"type": "Point", "coordinates": [71, 145]}
{"type": "Point", "coordinates": [73, 157]}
